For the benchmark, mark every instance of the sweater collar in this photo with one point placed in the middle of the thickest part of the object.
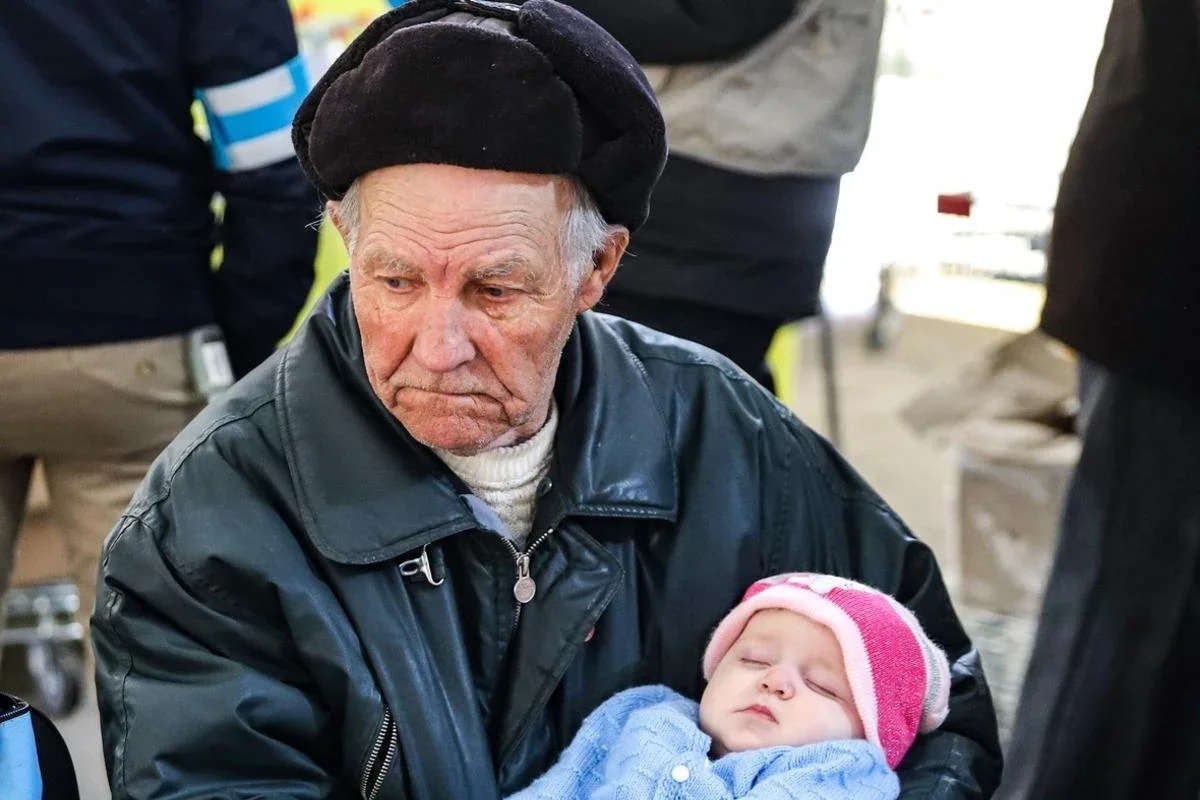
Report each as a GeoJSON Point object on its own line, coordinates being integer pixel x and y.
{"type": "Point", "coordinates": [368, 492]}
{"type": "Point", "coordinates": [506, 466]}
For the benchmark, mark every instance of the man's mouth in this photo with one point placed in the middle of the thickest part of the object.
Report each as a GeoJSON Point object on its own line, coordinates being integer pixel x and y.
{"type": "Point", "coordinates": [760, 711]}
{"type": "Point", "coordinates": [428, 395]}
{"type": "Point", "coordinates": [441, 392]}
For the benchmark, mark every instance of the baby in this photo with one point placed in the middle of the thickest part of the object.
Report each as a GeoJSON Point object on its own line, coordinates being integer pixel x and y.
{"type": "Point", "coordinates": [817, 687]}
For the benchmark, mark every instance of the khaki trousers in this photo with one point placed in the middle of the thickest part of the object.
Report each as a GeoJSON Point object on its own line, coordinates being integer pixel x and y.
{"type": "Point", "coordinates": [95, 417]}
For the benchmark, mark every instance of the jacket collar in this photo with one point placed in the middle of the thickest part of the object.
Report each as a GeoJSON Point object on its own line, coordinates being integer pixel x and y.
{"type": "Point", "coordinates": [368, 492]}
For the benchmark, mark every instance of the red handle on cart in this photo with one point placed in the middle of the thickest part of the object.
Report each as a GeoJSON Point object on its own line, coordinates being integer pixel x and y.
{"type": "Point", "coordinates": [957, 204]}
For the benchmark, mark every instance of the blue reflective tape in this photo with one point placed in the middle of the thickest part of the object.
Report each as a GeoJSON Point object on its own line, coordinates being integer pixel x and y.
{"type": "Point", "coordinates": [20, 770]}
{"type": "Point", "coordinates": [228, 130]}
{"type": "Point", "coordinates": [218, 141]}
{"type": "Point", "coordinates": [397, 3]}
{"type": "Point", "coordinates": [219, 147]}
{"type": "Point", "coordinates": [260, 121]}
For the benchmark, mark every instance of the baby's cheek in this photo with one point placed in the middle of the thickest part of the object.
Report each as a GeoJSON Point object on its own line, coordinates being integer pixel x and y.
{"type": "Point", "coordinates": [710, 720]}
{"type": "Point", "coordinates": [833, 722]}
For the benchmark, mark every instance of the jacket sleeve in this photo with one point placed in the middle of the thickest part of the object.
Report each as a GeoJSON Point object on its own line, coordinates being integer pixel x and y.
{"type": "Point", "coordinates": [247, 73]}
{"type": "Point", "coordinates": [687, 31]}
{"type": "Point", "coordinates": [852, 532]}
{"type": "Point", "coordinates": [180, 716]}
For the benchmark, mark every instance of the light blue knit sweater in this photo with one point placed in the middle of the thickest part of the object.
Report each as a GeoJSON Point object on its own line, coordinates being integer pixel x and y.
{"type": "Point", "coordinates": [646, 743]}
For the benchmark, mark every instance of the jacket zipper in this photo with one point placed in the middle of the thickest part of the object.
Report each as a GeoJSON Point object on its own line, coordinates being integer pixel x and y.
{"type": "Point", "coordinates": [524, 587]}
{"type": "Point", "coordinates": [19, 708]}
{"type": "Point", "coordinates": [385, 745]}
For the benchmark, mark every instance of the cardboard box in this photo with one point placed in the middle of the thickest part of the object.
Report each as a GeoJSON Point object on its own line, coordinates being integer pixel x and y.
{"type": "Point", "coordinates": [1012, 478]}
{"type": "Point", "coordinates": [1012, 481]}
{"type": "Point", "coordinates": [1008, 423]}
{"type": "Point", "coordinates": [1004, 643]}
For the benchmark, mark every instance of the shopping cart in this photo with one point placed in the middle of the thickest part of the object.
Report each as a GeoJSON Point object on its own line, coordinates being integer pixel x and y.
{"type": "Point", "coordinates": [1002, 242]}
{"type": "Point", "coordinates": [43, 633]}
{"type": "Point", "coordinates": [43, 624]}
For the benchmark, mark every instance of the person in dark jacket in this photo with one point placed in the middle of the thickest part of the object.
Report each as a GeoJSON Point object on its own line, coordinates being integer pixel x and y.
{"type": "Point", "coordinates": [767, 105]}
{"type": "Point", "coordinates": [1109, 706]}
{"type": "Point", "coordinates": [407, 556]}
{"type": "Point", "coordinates": [107, 237]}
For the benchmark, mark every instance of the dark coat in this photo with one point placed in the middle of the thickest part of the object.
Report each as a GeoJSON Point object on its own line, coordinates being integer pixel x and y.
{"type": "Point", "coordinates": [1123, 276]}
{"type": "Point", "coordinates": [742, 242]}
{"type": "Point", "coordinates": [106, 221]}
{"type": "Point", "coordinates": [255, 635]}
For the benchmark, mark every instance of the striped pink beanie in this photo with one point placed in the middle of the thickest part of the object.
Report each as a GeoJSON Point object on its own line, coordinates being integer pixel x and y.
{"type": "Point", "coordinates": [899, 678]}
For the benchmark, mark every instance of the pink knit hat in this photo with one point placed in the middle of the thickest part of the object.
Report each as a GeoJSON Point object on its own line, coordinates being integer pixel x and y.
{"type": "Point", "coordinates": [899, 678]}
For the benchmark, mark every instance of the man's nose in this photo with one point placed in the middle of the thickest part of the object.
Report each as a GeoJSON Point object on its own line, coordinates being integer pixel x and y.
{"type": "Point", "coordinates": [779, 682]}
{"type": "Point", "coordinates": [442, 343]}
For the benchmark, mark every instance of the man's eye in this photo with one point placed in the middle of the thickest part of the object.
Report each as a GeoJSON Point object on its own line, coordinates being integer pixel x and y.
{"type": "Point", "coordinates": [496, 292]}
{"type": "Point", "coordinates": [397, 283]}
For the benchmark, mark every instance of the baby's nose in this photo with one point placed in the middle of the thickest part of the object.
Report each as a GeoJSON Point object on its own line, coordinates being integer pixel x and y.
{"type": "Point", "coordinates": [778, 682]}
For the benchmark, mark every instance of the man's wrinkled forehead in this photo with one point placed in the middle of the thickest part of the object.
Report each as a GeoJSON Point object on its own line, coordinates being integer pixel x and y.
{"type": "Point", "coordinates": [381, 261]}
{"type": "Point", "coordinates": [442, 205]}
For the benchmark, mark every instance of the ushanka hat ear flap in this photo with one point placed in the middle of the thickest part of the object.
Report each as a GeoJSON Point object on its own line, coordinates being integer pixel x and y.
{"type": "Point", "coordinates": [536, 87]}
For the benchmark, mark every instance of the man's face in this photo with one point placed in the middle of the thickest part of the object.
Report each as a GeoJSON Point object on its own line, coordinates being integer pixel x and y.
{"type": "Point", "coordinates": [463, 299]}
{"type": "Point", "coordinates": [782, 683]}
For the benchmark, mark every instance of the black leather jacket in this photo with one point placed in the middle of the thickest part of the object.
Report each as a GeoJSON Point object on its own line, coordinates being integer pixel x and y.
{"type": "Point", "coordinates": [265, 625]}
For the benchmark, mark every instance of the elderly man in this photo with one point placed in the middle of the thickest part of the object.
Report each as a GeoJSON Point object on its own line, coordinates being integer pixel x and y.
{"type": "Point", "coordinates": [405, 558]}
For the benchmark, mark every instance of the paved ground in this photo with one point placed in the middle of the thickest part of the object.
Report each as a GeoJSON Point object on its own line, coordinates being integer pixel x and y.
{"type": "Point", "coordinates": [911, 474]}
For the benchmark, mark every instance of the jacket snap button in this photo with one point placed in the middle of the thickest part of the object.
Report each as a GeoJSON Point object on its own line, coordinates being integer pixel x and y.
{"type": "Point", "coordinates": [680, 773]}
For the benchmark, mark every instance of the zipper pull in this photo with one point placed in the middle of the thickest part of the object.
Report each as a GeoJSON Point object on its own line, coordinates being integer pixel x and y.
{"type": "Point", "coordinates": [524, 589]}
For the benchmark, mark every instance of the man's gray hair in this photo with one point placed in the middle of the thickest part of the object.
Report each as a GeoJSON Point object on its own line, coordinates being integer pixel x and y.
{"type": "Point", "coordinates": [584, 233]}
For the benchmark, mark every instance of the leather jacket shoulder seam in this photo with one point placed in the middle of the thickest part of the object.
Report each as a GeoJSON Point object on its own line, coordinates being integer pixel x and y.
{"type": "Point", "coordinates": [189, 577]}
{"type": "Point", "coordinates": [141, 514]}
{"type": "Point", "coordinates": [774, 555]}
{"type": "Point", "coordinates": [838, 487]}
{"type": "Point", "coordinates": [695, 361]}
{"type": "Point", "coordinates": [128, 670]}
{"type": "Point", "coordinates": [199, 440]}
{"type": "Point", "coordinates": [658, 409]}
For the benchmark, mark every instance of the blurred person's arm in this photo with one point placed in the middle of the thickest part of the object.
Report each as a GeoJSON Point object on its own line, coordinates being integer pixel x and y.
{"type": "Point", "coordinates": [685, 31]}
{"type": "Point", "coordinates": [248, 74]}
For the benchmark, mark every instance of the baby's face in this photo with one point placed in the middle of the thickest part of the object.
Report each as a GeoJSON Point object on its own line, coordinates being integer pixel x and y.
{"type": "Point", "coordinates": [782, 683]}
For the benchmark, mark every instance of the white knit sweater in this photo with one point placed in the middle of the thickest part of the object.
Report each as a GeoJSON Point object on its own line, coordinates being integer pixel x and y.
{"type": "Point", "coordinates": [507, 478]}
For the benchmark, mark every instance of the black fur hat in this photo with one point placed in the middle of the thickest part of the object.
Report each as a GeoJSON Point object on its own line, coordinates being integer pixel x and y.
{"type": "Point", "coordinates": [530, 87]}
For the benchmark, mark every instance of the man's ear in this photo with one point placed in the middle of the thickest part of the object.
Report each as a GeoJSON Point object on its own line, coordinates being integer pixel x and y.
{"type": "Point", "coordinates": [334, 209]}
{"type": "Point", "coordinates": [604, 266]}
